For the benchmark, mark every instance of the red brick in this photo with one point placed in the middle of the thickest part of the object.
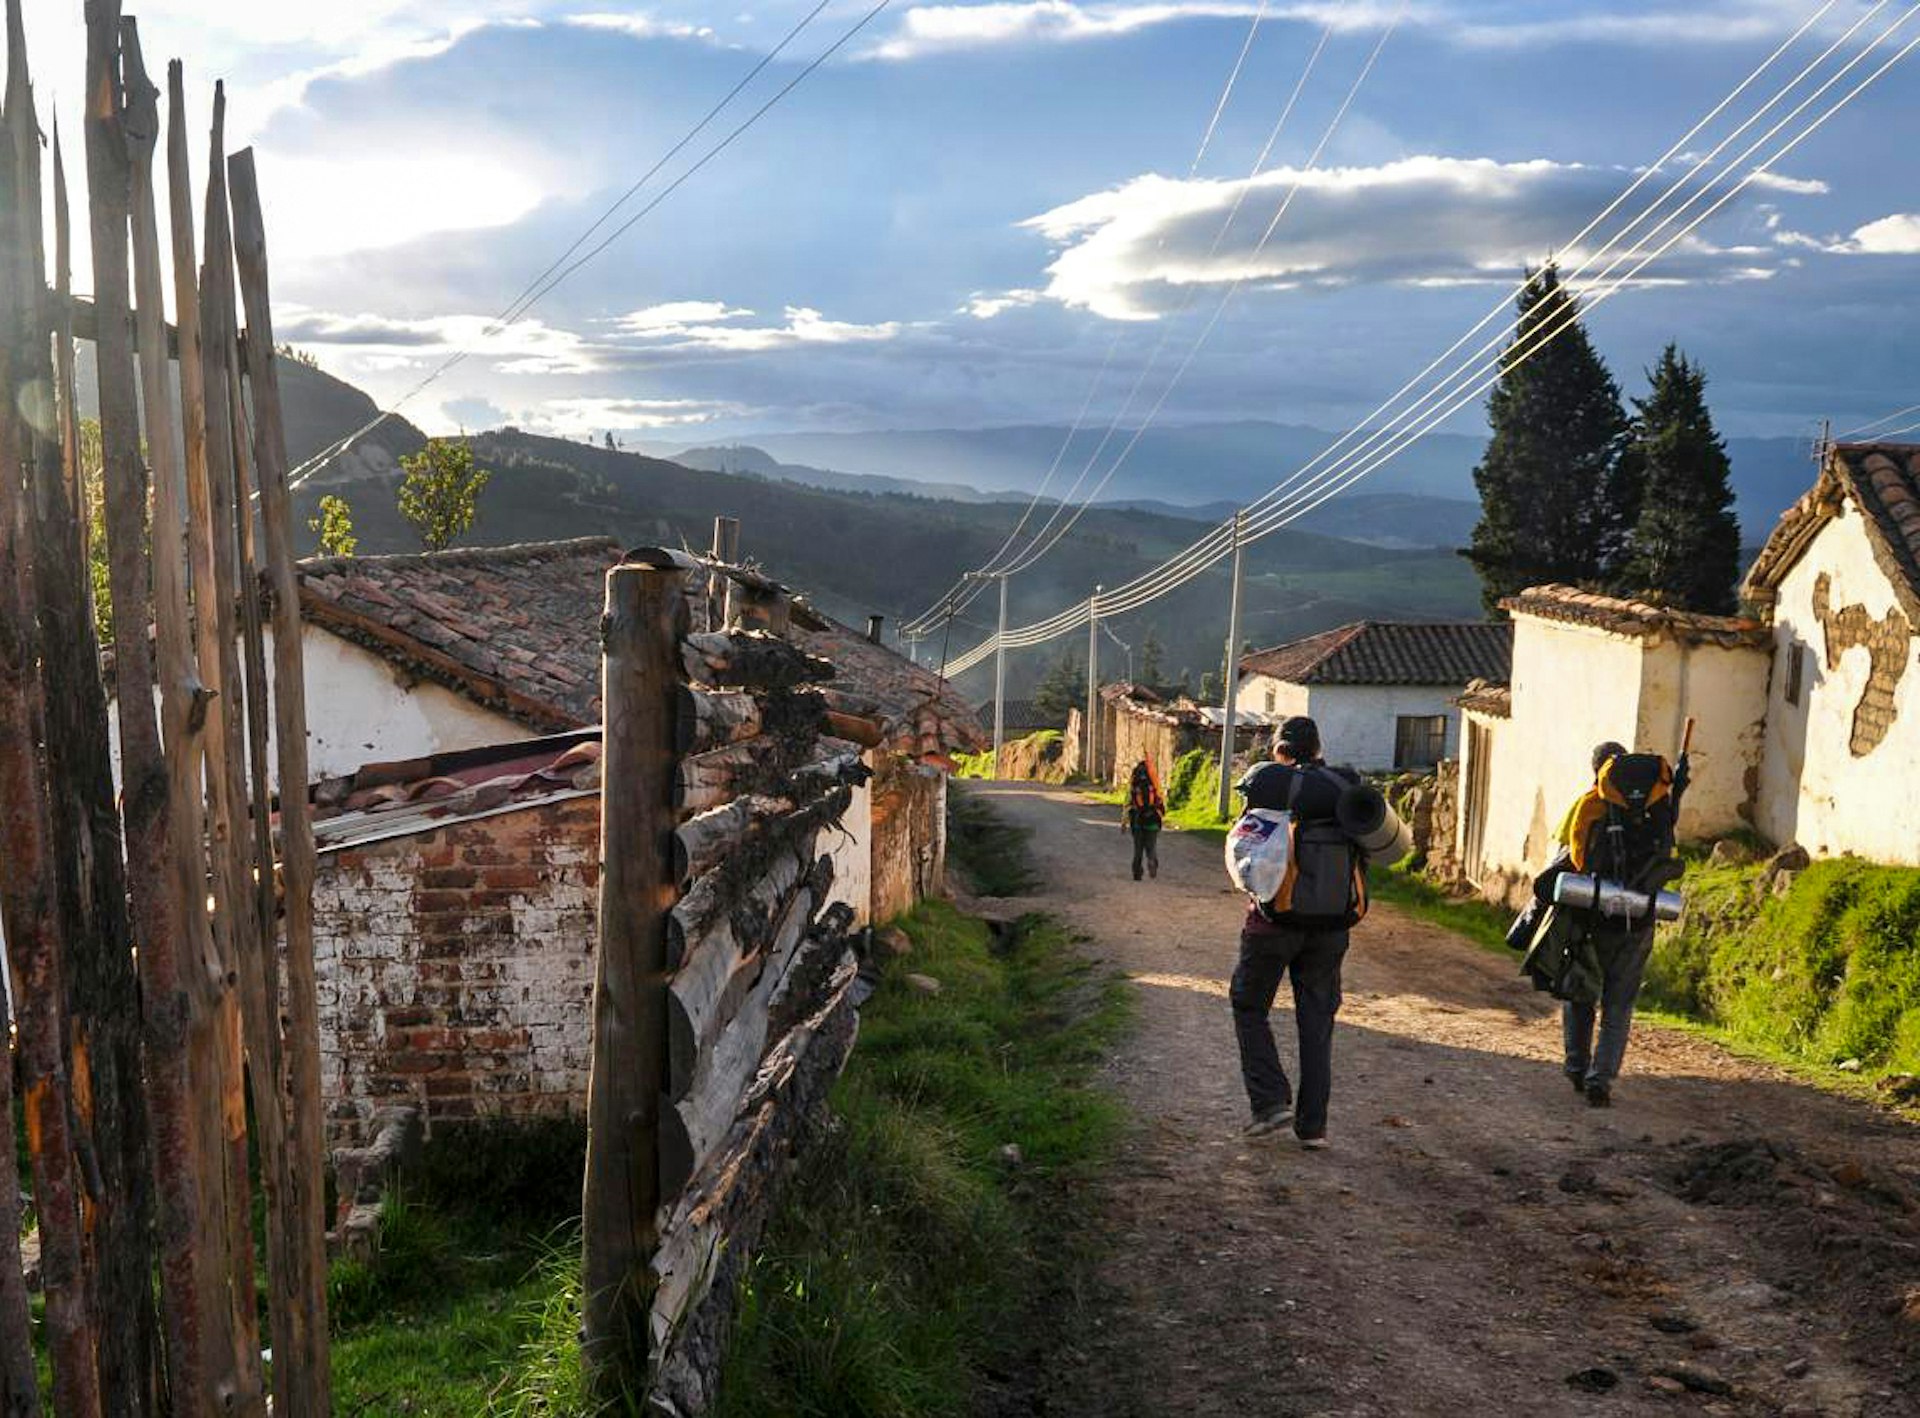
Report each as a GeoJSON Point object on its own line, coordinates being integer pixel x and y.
{"type": "Point", "coordinates": [448, 877]}
{"type": "Point", "coordinates": [516, 878]}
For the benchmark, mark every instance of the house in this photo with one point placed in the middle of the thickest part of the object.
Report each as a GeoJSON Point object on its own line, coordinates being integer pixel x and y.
{"type": "Point", "coordinates": [1382, 692]}
{"type": "Point", "coordinates": [1839, 579]}
{"type": "Point", "coordinates": [1588, 668]}
{"type": "Point", "coordinates": [414, 656]}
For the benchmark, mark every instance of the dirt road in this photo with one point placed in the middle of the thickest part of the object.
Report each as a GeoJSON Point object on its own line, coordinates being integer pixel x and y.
{"type": "Point", "coordinates": [1477, 1242]}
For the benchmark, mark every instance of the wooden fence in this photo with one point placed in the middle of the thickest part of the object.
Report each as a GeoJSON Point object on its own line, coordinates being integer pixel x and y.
{"type": "Point", "coordinates": [721, 1005]}
{"type": "Point", "coordinates": [161, 954]}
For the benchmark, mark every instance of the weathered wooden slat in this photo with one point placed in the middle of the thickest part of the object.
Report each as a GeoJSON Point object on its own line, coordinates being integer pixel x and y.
{"type": "Point", "coordinates": [717, 982]}
{"type": "Point", "coordinates": [712, 1230]}
{"type": "Point", "coordinates": [751, 660]}
{"type": "Point", "coordinates": [783, 837]}
{"type": "Point", "coordinates": [645, 613]}
{"type": "Point", "coordinates": [302, 1381]}
{"type": "Point", "coordinates": [705, 781]}
{"type": "Point", "coordinates": [692, 1128]}
{"type": "Point", "coordinates": [856, 728]}
{"type": "Point", "coordinates": [701, 843]}
{"type": "Point", "coordinates": [710, 719]}
{"type": "Point", "coordinates": [206, 1363]}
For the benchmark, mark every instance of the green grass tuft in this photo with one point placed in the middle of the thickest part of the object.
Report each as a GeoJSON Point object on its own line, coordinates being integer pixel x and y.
{"type": "Point", "coordinates": [990, 851]}
{"type": "Point", "coordinates": [909, 1258]}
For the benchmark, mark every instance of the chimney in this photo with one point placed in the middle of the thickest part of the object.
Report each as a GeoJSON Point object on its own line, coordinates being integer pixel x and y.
{"type": "Point", "coordinates": [874, 623]}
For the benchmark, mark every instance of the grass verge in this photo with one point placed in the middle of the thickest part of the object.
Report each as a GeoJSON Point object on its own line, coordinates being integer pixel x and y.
{"type": "Point", "coordinates": [917, 1267]}
{"type": "Point", "coordinates": [988, 850]}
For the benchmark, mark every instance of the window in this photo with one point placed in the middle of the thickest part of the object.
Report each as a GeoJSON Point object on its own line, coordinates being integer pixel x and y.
{"type": "Point", "coordinates": [1796, 669]}
{"type": "Point", "coordinates": [1273, 699]}
{"type": "Point", "coordinates": [1419, 741]}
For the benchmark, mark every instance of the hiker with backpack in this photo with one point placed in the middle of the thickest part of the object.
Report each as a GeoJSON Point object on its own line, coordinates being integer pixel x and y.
{"type": "Point", "coordinates": [1296, 926]}
{"type": "Point", "coordinates": [1589, 946]}
{"type": "Point", "coordinates": [1146, 813]}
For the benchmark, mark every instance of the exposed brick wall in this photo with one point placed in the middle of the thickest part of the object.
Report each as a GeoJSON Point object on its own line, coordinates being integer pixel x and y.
{"type": "Point", "coordinates": [456, 968]}
{"type": "Point", "coordinates": [1885, 642]}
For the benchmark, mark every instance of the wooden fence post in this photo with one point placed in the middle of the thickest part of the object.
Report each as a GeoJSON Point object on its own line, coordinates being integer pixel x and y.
{"type": "Point", "coordinates": [187, 1163]}
{"type": "Point", "coordinates": [102, 1023]}
{"type": "Point", "coordinates": [642, 677]}
{"type": "Point", "coordinates": [300, 1307]}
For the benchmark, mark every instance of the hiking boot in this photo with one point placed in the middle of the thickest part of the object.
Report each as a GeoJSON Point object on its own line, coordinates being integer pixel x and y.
{"type": "Point", "coordinates": [1317, 1143]}
{"type": "Point", "coordinates": [1579, 1083]}
{"type": "Point", "coordinates": [1153, 870]}
{"type": "Point", "coordinates": [1599, 1095]}
{"type": "Point", "coordinates": [1268, 1122]}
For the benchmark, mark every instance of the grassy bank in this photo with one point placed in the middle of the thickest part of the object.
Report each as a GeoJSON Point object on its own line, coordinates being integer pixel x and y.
{"type": "Point", "coordinates": [918, 1266]}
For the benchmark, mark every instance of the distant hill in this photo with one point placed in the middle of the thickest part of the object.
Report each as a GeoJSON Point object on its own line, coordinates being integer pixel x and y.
{"type": "Point", "coordinates": [757, 462]}
{"type": "Point", "coordinates": [1216, 465]}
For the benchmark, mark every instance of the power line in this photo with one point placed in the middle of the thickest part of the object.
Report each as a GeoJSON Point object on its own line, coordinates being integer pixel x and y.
{"type": "Point", "coordinates": [1853, 433]}
{"type": "Point", "coordinates": [970, 586]}
{"type": "Point", "coordinates": [548, 280]}
{"type": "Point", "coordinates": [1208, 550]}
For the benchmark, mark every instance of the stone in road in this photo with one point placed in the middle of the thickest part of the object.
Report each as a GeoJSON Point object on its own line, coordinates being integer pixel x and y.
{"type": "Point", "coordinates": [1477, 1243]}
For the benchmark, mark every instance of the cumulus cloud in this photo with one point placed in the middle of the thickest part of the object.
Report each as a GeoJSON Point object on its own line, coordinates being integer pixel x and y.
{"type": "Point", "coordinates": [713, 325]}
{"type": "Point", "coordinates": [378, 341]}
{"type": "Point", "coordinates": [942, 28]}
{"type": "Point", "coordinates": [585, 415]}
{"type": "Point", "coordinates": [982, 305]}
{"type": "Point", "coordinates": [1129, 253]}
{"type": "Point", "coordinates": [1897, 235]}
{"type": "Point", "coordinates": [640, 26]}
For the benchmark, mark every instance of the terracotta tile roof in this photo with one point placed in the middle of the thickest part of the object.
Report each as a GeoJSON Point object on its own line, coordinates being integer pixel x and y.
{"type": "Point", "coordinates": [1635, 618]}
{"type": "Point", "coordinates": [1391, 652]}
{"type": "Point", "coordinates": [1883, 481]}
{"type": "Point", "coordinates": [925, 716]}
{"type": "Point", "coordinates": [382, 800]}
{"type": "Point", "coordinates": [1493, 700]}
{"type": "Point", "coordinates": [1021, 716]}
{"type": "Point", "coordinates": [515, 628]}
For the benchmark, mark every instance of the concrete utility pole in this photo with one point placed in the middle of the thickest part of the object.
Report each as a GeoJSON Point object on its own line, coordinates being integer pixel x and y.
{"type": "Point", "coordinates": [1000, 678]}
{"type": "Point", "coordinates": [1230, 693]}
{"type": "Point", "coordinates": [1089, 726]}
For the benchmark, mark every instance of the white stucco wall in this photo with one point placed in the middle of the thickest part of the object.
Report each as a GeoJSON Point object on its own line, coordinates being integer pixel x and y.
{"type": "Point", "coordinates": [1575, 686]}
{"type": "Point", "coordinates": [1357, 722]}
{"type": "Point", "coordinates": [1812, 789]}
{"type": "Point", "coordinates": [1263, 694]}
{"type": "Point", "coordinates": [851, 848]}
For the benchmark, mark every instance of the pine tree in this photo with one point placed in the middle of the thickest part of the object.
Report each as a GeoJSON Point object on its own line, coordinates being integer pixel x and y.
{"type": "Point", "coordinates": [1064, 688]}
{"type": "Point", "coordinates": [1557, 496]}
{"type": "Point", "coordinates": [1685, 548]}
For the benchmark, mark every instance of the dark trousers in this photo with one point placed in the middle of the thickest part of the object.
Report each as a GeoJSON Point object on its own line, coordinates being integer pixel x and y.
{"type": "Point", "coordinates": [1313, 959]}
{"type": "Point", "coordinates": [1623, 959]}
{"type": "Point", "coordinates": [1146, 848]}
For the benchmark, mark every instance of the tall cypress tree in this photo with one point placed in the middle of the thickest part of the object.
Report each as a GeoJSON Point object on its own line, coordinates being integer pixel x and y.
{"type": "Point", "coordinates": [1557, 496]}
{"type": "Point", "coordinates": [1685, 548]}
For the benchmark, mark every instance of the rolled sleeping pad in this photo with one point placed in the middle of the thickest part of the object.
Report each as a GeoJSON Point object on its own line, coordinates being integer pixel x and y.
{"type": "Point", "coordinates": [1585, 892]}
{"type": "Point", "coordinates": [1365, 816]}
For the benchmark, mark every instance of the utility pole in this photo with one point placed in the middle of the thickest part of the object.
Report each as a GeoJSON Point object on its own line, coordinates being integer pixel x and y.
{"type": "Point", "coordinates": [1000, 678]}
{"type": "Point", "coordinates": [1232, 677]}
{"type": "Point", "coordinates": [1090, 726]}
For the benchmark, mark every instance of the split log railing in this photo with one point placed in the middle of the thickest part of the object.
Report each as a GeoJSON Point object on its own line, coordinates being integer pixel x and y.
{"type": "Point", "coordinates": [146, 930]}
{"type": "Point", "coordinates": [721, 1004]}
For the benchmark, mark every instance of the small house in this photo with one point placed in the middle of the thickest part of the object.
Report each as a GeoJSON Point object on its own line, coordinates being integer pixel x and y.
{"type": "Point", "coordinates": [1840, 580]}
{"type": "Point", "coordinates": [1588, 668]}
{"type": "Point", "coordinates": [1382, 692]}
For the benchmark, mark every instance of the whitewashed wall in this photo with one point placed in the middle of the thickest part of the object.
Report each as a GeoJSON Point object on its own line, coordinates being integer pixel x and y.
{"type": "Point", "coordinates": [1812, 789]}
{"type": "Point", "coordinates": [1357, 722]}
{"type": "Point", "coordinates": [851, 848]}
{"type": "Point", "coordinates": [1263, 694]}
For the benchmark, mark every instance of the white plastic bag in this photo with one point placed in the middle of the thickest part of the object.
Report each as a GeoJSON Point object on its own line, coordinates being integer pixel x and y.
{"type": "Point", "coordinates": [1259, 851]}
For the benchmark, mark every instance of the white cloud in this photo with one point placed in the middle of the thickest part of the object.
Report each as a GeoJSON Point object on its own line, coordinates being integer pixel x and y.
{"type": "Point", "coordinates": [675, 316]}
{"type": "Point", "coordinates": [587, 415]}
{"type": "Point", "coordinates": [984, 306]}
{"type": "Point", "coordinates": [700, 325]}
{"type": "Point", "coordinates": [327, 206]}
{"type": "Point", "coordinates": [1897, 235]}
{"type": "Point", "coordinates": [376, 342]}
{"type": "Point", "coordinates": [1127, 253]}
{"type": "Point", "coordinates": [640, 26]}
{"type": "Point", "coordinates": [941, 28]}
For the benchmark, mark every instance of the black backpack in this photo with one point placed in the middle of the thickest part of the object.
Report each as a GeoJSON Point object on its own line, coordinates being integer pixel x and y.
{"type": "Point", "coordinates": [1633, 841]}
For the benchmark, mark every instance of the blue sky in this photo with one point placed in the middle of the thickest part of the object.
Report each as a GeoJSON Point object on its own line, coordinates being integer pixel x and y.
{"type": "Point", "coordinates": [976, 206]}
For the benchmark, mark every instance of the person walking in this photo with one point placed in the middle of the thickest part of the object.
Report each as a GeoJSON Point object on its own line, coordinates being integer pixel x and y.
{"type": "Point", "coordinates": [1305, 941]}
{"type": "Point", "coordinates": [1622, 829]}
{"type": "Point", "coordinates": [1146, 811]}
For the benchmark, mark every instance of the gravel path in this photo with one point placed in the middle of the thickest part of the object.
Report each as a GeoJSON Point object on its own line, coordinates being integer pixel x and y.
{"type": "Point", "coordinates": [1477, 1241]}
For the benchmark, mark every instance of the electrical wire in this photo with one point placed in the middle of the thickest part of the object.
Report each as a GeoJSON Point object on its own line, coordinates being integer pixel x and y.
{"type": "Point", "coordinates": [548, 281]}
{"type": "Point", "coordinates": [1207, 551]}
{"type": "Point", "coordinates": [1854, 433]}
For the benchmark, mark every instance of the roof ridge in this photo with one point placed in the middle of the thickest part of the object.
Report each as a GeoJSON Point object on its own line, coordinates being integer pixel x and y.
{"type": "Point", "coordinates": [461, 556]}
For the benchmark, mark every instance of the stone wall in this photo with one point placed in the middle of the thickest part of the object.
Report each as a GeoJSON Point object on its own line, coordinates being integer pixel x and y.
{"type": "Point", "coordinates": [455, 968]}
{"type": "Point", "coordinates": [909, 837]}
